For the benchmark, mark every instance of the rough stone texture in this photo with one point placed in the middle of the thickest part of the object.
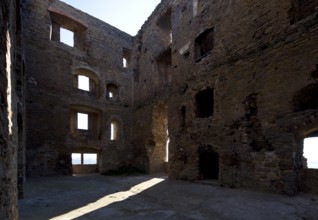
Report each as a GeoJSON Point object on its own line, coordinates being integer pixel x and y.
{"type": "Point", "coordinates": [11, 110]}
{"type": "Point", "coordinates": [254, 62]}
{"type": "Point", "coordinates": [262, 58]}
{"type": "Point", "coordinates": [53, 99]}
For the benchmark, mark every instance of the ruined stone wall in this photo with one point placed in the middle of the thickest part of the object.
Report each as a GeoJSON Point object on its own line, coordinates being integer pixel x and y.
{"type": "Point", "coordinates": [10, 107]}
{"type": "Point", "coordinates": [254, 58]}
{"type": "Point", "coordinates": [53, 99]}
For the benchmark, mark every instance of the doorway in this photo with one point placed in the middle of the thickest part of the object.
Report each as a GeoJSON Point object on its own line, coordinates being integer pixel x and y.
{"type": "Point", "coordinates": [208, 163]}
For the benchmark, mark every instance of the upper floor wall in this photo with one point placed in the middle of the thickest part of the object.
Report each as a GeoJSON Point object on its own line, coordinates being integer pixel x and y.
{"type": "Point", "coordinates": [208, 34]}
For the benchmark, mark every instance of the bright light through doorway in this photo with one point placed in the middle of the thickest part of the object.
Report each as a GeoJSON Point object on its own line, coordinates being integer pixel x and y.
{"type": "Point", "coordinates": [311, 152]}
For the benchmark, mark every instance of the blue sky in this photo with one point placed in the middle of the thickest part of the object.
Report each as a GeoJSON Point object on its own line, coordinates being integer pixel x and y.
{"type": "Point", "coordinates": [126, 15]}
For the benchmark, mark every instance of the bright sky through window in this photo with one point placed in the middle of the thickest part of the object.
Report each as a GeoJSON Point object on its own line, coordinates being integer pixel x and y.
{"type": "Point", "coordinates": [311, 152]}
{"type": "Point", "coordinates": [82, 121]}
{"type": "Point", "coordinates": [83, 82]}
{"type": "Point", "coordinates": [90, 158]}
{"type": "Point", "coordinates": [126, 15]}
{"type": "Point", "coordinates": [67, 37]}
{"type": "Point", "coordinates": [76, 158]}
{"type": "Point", "coordinates": [124, 62]}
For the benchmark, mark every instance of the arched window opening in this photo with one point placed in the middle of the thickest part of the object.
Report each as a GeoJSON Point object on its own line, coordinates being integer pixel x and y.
{"type": "Point", "coordinates": [126, 57]}
{"type": "Point", "coordinates": [86, 81]}
{"type": "Point", "coordinates": [112, 91]}
{"type": "Point", "coordinates": [311, 150]}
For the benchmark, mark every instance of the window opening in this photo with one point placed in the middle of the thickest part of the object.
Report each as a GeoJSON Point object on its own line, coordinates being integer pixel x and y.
{"type": "Point", "coordinates": [83, 83]}
{"type": "Point", "coordinates": [114, 130]}
{"type": "Point", "coordinates": [167, 146]}
{"type": "Point", "coordinates": [110, 94]}
{"type": "Point", "coordinates": [311, 152]}
{"type": "Point", "coordinates": [89, 159]}
{"type": "Point", "coordinates": [204, 44]}
{"type": "Point", "coordinates": [204, 103]}
{"type": "Point", "coordinates": [76, 158]}
{"type": "Point", "coordinates": [125, 62]}
{"type": "Point", "coordinates": [82, 121]}
{"type": "Point", "coordinates": [67, 37]}
{"type": "Point", "coordinates": [112, 91]}
{"type": "Point", "coordinates": [126, 57]}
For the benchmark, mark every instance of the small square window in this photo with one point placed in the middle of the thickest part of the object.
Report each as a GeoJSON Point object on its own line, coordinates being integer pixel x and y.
{"type": "Point", "coordinates": [67, 37]}
{"type": "Point", "coordinates": [82, 121]}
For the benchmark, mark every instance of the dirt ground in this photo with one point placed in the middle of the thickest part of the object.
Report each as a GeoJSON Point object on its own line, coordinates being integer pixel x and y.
{"type": "Point", "coordinates": [154, 197]}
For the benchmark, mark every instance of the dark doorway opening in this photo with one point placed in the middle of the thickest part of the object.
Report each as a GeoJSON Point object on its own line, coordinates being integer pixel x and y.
{"type": "Point", "coordinates": [208, 163]}
{"type": "Point", "coordinates": [204, 103]}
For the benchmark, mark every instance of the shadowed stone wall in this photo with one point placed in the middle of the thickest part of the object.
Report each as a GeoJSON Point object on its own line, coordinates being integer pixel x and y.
{"type": "Point", "coordinates": [53, 98]}
{"type": "Point", "coordinates": [255, 57]}
{"type": "Point", "coordinates": [11, 110]}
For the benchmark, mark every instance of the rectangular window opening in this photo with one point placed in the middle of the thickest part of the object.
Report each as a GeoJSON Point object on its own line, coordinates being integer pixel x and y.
{"type": "Point", "coordinates": [76, 158]}
{"type": "Point", "coordinates": [67, 37]}
{"type": "Point", "coordinates": [113, 131]}
{"type": "Point", "coordinates": [204, 44]}
{"type": "Point", "coordinates": [311, 152]}
{"type": "Point", "coordinates": [204, 103]}
{"type": "Point", "coordinates": [82, 121]}
{"type": "Point", "coordinates": [83, 83]}
{"type": "Point", "coordinates": [89, 159]}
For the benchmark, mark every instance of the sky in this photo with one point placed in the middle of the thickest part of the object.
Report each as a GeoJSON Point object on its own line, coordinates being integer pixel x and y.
{"type": "Point", "coordinates": [126, 15]}
{"type": "Point", "coordinates": [311, 152]}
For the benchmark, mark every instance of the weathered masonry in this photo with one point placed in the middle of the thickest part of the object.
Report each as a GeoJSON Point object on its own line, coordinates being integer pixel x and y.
{"type": "Point", "coordinates": [223, 90]}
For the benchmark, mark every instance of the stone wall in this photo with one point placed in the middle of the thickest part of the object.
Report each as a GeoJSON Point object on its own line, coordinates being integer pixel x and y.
{"type": "Point", "coordinates": [11, 109]}
{"type": "Point", "coordinates": [230, 86]}
{"type": "Point", "coordinates": [254, 58]}
{"type": "Point", "coordinates": [53, 98]}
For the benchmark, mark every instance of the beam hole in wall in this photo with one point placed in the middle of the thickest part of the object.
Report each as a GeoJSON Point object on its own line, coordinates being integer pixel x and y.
{"type": "Point", "coordinates": [204, 101]}
{"type": "Point", "coordinates": [67, 37]}
{"type": "Point", "coordinates": [311, 150]}
{"type": "Point", "coordinates": [208, 163]}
